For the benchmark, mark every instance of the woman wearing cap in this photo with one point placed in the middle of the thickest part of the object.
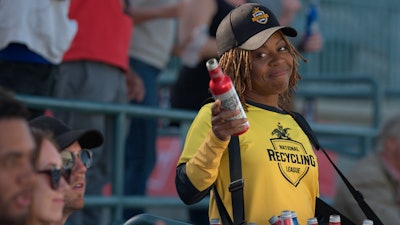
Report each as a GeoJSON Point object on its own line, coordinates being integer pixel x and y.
{"type": "Point", "coordinates": [279, 168]}
{"type": "Point", "coordinates": [50, 187]}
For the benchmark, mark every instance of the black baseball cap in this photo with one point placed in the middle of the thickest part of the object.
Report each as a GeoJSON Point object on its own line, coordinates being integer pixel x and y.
{"type": "Point", "coordinates": [65, 136]}
{"type": "Point", "coordinates": [248, 27]}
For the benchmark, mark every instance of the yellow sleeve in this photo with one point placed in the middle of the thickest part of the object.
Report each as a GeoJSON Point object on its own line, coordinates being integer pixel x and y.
{"type": "Point", "coordinates": [202, 151]}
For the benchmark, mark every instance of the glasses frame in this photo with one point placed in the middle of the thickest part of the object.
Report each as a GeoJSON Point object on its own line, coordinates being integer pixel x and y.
{"type": "Point", "coordinates": [88, 162]}
{"type": "Point", "coordinates": [55, 174]}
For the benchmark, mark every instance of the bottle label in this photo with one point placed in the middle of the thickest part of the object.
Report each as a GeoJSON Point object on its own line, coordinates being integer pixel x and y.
{"type": "Point", "coordinates": [230, 101]}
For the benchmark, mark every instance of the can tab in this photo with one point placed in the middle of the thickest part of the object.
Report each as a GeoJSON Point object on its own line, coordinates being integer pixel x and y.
{"type": "Point", "coordinates": [236, 185]}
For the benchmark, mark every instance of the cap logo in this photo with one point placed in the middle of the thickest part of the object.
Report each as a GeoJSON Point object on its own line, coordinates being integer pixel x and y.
{"type": "Point", "coordinates": [259, 16]}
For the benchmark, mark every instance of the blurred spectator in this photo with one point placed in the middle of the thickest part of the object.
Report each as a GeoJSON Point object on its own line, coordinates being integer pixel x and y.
{"type": "Point", "coordinates": [34, 37]}
{"type": "Point", "coordinates": [76, 155]}
{"type": "Point", "coordinates": [196, 44]}
{"type": "Point", "coordinates": [377, 177]}
{"type": "Point", "coordinates": [16, 171]}
{"type": "Point", "coordinates": [286, 11]}
{"type": "Point", "coordinates": [48, 197]}
{"type": "Point", "coordinates": [150, 51]}
{"type": "Point", "coordinates": [94, 69]}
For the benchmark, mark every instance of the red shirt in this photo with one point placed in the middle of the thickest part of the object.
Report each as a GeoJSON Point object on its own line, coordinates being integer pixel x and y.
{"type": "Point", "coordinates": [104, 32]}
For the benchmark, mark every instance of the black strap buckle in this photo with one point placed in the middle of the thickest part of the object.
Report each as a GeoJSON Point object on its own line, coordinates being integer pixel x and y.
{"type": "Point", "coordinates": [236, 185]}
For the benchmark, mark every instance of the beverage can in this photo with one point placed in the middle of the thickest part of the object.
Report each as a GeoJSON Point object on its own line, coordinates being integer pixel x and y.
{"type": "Point", "coordinates": [334, 219]}
{"type": "Point", "coordinates": [274, 220]}
{"type": "Point", "coordinates": [215, 221]}
{"type": "Point", "coordinates": [286, 217]}
{"type": "Point", "coordinates": [312, 221]}
{"type": "Point", "coordinates": [294, 218]}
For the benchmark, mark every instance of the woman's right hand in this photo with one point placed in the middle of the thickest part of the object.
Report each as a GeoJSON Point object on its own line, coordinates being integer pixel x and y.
{"type": "Point", "coordinates": [222, 124]}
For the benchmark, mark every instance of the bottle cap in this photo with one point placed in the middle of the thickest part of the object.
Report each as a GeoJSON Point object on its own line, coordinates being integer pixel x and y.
{"type": "Point", "coordinates": [286, 214]}
{"type": "Point", "coordinates": [334, 218]}
{"type": "Point", "coordinates": [212, 64]}
{"type": "Point", "coordinates": [273, 219]}
{"type": "Point", "coordinates": [312, 221]}
{"type": "Point", "coordinates": [368, 222]}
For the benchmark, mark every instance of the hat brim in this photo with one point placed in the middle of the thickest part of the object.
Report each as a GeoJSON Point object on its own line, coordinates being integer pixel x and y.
{"type": "Point", "coordinates": [257, 40]}
{"type": "Point", "coordinates": [86, 138]}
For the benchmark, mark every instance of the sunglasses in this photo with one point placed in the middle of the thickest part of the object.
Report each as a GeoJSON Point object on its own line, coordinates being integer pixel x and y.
{"type": "Point", "coordinates": [55, 176]}
{"type": "Point", "coordinates": [69, 160]}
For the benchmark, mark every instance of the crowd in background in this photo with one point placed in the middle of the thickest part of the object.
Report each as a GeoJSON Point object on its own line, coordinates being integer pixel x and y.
{"type": "Point", "coordinates": [112, 52]}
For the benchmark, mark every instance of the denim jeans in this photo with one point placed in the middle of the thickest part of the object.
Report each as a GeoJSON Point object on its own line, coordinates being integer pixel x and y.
{"type": "Point", "coordinates": [140, 151]}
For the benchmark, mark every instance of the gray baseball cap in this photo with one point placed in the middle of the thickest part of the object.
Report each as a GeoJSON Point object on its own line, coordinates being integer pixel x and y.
{"type": "Point", "coordinates": [65, 136]}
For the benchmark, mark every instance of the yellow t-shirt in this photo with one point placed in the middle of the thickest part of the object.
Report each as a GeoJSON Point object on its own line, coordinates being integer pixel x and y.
{"type": "Point", "coordinates": [279, 167]}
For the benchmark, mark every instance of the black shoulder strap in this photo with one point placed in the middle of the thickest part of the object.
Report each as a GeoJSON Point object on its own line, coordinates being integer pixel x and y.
{"type": "Point", "coordinates": [225, 219]}
{"type": "Point", "coordinates": [369, 213]}
{"type": "Point", "coordinates": [235, 187]}
{"type": "Point", "coordinates": [237, 183]}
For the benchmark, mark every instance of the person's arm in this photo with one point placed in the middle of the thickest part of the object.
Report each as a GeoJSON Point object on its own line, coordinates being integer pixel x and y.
{"type": "Point", "coordinates": [206, 142]}
{"type": "Point", "coordinates": [199, 163]}
{"type": "Point", "coordinates": [142, 14]}
{"type": "Point", "coordinates": [193, 38]}
{"type": "Point", "coordinates": [312, 43]}
{"type": "Point", "coordinates": [135, 86]}
{"type": "Point", "coordinates": [188, 193]}
{"type": "Point", "coordinates": [196, 177]}
{"type": "Point", "coordinates": [195, 14]}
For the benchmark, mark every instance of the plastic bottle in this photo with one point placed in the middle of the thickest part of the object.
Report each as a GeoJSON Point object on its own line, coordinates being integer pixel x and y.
{"type": "Point", "coordinates": [367, 222]}
{"type": "Point", "coordinates": [312, 221]}
{"type": "Point", "coordinates": [334, 220]}
{"type": "Point", "coordinates": [223, 89]}
{"type": "Point", "coordinates": [312, 19]}
{"type": "Point", "coordinates": [274, 220]}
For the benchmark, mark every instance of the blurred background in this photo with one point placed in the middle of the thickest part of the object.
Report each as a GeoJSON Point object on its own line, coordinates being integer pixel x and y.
{"type": "Point", "coordinates": [347, 90]}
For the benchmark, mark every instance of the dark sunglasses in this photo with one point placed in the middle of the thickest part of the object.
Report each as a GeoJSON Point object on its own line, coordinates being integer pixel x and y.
{"type": "Point", "coordinates": [69, 160]}
{"type": "Point", "coordinates": [55, 176]}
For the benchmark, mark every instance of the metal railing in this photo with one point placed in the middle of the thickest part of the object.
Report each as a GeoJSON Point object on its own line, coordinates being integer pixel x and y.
{"type": "Point", "coordinates": [117, 201]}
{"type": "Point", "coordinates": [120, 112]}
{"type": "Point", "coordinates": [360, 87]}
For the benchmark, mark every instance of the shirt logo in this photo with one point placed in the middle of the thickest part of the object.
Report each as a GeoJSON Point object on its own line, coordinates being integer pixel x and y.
{"type": "Point", "coordinates": [292, 158]}
{"type": "Point", "coordinates": [259, 16]}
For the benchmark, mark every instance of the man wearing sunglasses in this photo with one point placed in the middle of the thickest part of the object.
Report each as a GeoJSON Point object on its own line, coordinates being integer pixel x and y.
{"type": "Point", "coordinates": [16, 169]}
{"type": "Point", "coordinates": [77, 157]}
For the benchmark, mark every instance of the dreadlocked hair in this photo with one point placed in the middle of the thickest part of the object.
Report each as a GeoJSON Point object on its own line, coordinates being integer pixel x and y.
{"type": "Point", "coordinates": [237, 63]}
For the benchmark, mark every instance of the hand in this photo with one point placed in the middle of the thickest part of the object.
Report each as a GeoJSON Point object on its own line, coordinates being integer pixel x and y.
{"type": "Point", "coordinates": [175, 10]}
{"type": "Point", "coordinates": [312, 43]}
{"type": "Point", "coordinates": [135, 86]}
{"type": "Point", "coordinates": [222, 124]}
